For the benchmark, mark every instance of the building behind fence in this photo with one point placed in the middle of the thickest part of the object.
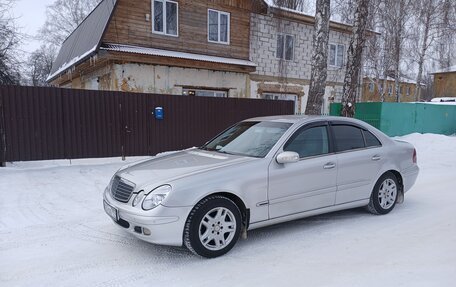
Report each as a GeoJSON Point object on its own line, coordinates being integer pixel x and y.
{"type": "Point", "coordinates": [51, 123]}
{"type": "Point", "coordinates": [397, 119]}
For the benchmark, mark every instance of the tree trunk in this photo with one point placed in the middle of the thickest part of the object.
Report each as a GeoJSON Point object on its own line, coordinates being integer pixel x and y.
{"type": "Point", "coordinates": [355, 52]}
{"type": "Point", "coordinates": [319, 71]}
{"type": "Point", "coordinates": [398, 48]}
{"type": "Point", "coordinates": [444, 54]}
{"type": "Point", "coordinates": [424, 46]}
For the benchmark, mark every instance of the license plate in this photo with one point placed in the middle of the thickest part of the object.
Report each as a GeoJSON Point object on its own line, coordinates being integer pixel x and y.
{"type": "Point", "coordinates": [111, 211]}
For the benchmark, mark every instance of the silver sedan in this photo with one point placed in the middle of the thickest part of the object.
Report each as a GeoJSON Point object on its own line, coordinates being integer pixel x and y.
{"type": "Point", "coordinates": [260, 172]}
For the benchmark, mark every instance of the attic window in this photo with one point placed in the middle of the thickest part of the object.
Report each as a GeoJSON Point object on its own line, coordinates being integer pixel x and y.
{"type": "Point", "coordinates": [165, 17]}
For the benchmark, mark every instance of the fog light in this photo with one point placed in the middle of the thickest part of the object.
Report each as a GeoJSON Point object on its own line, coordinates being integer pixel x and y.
{"type": "Point", "coordinates": [146, 231]}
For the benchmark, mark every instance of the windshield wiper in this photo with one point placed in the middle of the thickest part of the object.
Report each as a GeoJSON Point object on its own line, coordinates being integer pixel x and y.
{"type": "Point", "coordinates": [225, 152]}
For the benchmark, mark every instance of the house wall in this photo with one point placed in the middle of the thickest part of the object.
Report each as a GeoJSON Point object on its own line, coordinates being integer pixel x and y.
{"type": "Point", "coordinates": [129, 25]}
{"type": "Point", "coordinates": [369, 96]}
{"type": "Point", "coordinates": [445, 85]}
{"type": "Point", "coordinates": [145, 78]}
{"type": "Point", "coordinates": [278, 75]}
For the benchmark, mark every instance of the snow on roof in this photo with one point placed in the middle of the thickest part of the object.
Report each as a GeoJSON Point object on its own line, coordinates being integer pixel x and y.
{"type": "Point", "coordinates": [272, 3]}
{"type": "Point", "coordinates": [447, 70]}
{"type": "Point", "coordinates": [79, 44]}
{"type": "Point", "coordinates": [70, 63]}
{"type": "Point", "coordinates": [174, 54]}
{"type": "Point", "coordinates": [401, 79]}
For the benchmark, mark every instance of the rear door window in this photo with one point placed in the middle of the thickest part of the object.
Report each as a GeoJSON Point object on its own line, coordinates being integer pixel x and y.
{"type": "Point", "coordinates": [371, 140]}
{"type": "Point", "coordinates": [347, 137]}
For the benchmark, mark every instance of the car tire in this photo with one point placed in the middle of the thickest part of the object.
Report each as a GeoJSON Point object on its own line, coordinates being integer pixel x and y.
{"type": "Point", "coordinates": [213, 227]}
{"type": "Point", "coordinates": [385, 194]}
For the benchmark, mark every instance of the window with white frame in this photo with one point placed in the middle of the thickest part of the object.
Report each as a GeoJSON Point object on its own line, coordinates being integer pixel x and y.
{"type": "Point", "coordinates": [390, 90]}
{"type": "Point", "coordinates": [408, 90]}
{"type": "Point", "coordinates": [165, 17]}
{"type": "Point", "coordinates": [336, 55]}
{"type": "Point", "coordinates": [218, 27]}
{"type": "Point", "coordinates": [285, 47]}
{"type": "Point", "coordinates": [204, 93]}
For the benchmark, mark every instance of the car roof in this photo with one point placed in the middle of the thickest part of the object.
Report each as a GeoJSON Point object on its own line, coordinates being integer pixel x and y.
{"type": "Point", "coordinates": [298, 119]}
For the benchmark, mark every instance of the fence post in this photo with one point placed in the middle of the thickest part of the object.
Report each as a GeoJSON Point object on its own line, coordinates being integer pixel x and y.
{"type": "Point", "coordinates": [2, 131]}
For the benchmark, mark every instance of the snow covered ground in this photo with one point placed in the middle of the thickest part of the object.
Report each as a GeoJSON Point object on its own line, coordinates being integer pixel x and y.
{"type": "Point", "coordinates": [53, 232]}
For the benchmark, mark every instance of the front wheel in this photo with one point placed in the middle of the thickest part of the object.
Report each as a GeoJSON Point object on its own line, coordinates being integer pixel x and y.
{"type": "Point", "coordinates": [384, 195]}
{"type": "Point", "coordinates": [213, 227]}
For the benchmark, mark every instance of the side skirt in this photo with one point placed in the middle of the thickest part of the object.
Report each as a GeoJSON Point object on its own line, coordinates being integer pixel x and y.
{"type": "Point", "coordinates": [309, 213]}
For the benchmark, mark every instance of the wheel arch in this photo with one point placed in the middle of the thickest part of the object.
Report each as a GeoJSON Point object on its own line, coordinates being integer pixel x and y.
{"type": "Point", "coordinates": [400, 180]}
{"type": "Point", "coordinates": [245, 212]}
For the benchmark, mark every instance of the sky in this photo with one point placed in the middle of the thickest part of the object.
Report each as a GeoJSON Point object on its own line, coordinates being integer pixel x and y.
{"type": "Point", "coordinates": [30, 16]}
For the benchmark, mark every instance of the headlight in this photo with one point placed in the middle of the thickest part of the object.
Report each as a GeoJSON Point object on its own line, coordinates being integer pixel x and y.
{"type": "Point", "coordinates": [156, 197]}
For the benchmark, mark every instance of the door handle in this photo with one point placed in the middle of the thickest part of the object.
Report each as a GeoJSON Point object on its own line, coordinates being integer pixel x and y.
{"type": "Point", "coordinates": [329, 165]}
{"type": "Point", "coordinates": [376, 157]}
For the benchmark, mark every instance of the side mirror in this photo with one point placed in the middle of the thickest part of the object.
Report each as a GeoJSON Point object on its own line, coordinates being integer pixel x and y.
{"type": "Point", "coordinates": [287, 157]}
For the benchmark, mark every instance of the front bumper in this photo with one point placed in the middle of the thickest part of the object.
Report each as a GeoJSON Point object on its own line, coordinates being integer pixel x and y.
{"type": "Point", "coordinates": [161, 225]}
{"type": "Point", "coordinates": [409, 176]}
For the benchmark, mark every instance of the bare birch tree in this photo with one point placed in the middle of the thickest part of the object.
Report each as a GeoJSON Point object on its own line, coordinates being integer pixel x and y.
{"type": "Point", "coordinates": [344, 10]}
{"type": "Point", "coordinates": [398, 12]}
{"type": "Point", "coordinates": [40, 65]}
{"type": "Point", "coordinates": [426, 24]}
{"type": "Point", "coordinates": [319, 71]}
{"type": "Point", "coordinates": [298, 5]}
{"type": "Point", "coordinates": [355, 51]}
{"type": "Point", "coordinates": [447, 35]}
{"type": "Point", "coordinates": [9, 40]}
{"type": "Point", "coordinates": [62, 18]}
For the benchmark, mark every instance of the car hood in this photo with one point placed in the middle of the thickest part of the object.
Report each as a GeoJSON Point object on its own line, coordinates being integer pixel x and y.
{"type": "Point", "coordinates": [164, 169]}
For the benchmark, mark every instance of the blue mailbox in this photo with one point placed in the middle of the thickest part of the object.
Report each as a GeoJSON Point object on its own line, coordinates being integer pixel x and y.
{"type": "Point", "coordinates": [159, 114]}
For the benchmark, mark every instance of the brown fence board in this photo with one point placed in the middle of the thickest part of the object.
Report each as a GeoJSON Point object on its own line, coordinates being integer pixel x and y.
{"type": "Point", "coordinates": [52, 123]}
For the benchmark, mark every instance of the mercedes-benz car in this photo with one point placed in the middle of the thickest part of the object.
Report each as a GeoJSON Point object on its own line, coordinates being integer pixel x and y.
{"type": "Point", "coordinates": [260, 172]}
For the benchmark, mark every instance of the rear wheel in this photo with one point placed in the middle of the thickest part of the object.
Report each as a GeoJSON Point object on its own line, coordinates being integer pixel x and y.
{"type": "Point", "coordinates": [384, 195]}
{"type": "Point", "coordinates": [213, 227]}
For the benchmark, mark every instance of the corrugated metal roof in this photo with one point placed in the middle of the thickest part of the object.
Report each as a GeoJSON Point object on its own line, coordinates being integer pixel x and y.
{"type": "Point", "coordinates": [84, 40]}
{"type": "Point", "coordinates": [174, 54]}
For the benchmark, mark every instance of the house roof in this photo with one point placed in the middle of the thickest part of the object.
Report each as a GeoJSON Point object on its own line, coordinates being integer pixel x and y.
{"type": "Point", "coordinates": [174, 54]}
{"type": "Point", "coordinates": [451, 69]}
{"type": "Point", "coordinates": [311, 18]}
{"type": "Point", "coordinates": [401, 80]}
{"type": "Point", "coordinates": [85, 39]}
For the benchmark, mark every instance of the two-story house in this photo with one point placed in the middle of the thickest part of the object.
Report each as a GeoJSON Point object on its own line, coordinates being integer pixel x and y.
{"type": "Point", "coordinates": [221, 48]}
{"type": "Point", "coordinates": [160, 46]}
{"type": "Point", "coordinates": [281, 46]}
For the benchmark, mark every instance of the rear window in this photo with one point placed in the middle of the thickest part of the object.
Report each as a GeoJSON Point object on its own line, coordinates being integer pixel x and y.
{"type": "Point", "coordinates": [371, 140]}
{"type": "Point", "coordinates": [348, 137]}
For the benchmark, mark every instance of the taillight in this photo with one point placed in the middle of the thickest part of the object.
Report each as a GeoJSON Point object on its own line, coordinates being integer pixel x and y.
{"type": "Point", "coordinates": [414, 156]}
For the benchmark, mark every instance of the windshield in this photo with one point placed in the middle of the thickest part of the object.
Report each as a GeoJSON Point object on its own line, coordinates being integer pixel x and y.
{"type": "Point", "coordinates": [253, 139]}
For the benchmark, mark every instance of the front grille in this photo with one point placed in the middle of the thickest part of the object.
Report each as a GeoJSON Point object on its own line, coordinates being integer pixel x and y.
{"type": "Point", "coordinates": [121, 190]}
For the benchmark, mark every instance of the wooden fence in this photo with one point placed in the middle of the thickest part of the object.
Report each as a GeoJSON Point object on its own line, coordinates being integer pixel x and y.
{"type": "Point", "coordinates": [52, 123]}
